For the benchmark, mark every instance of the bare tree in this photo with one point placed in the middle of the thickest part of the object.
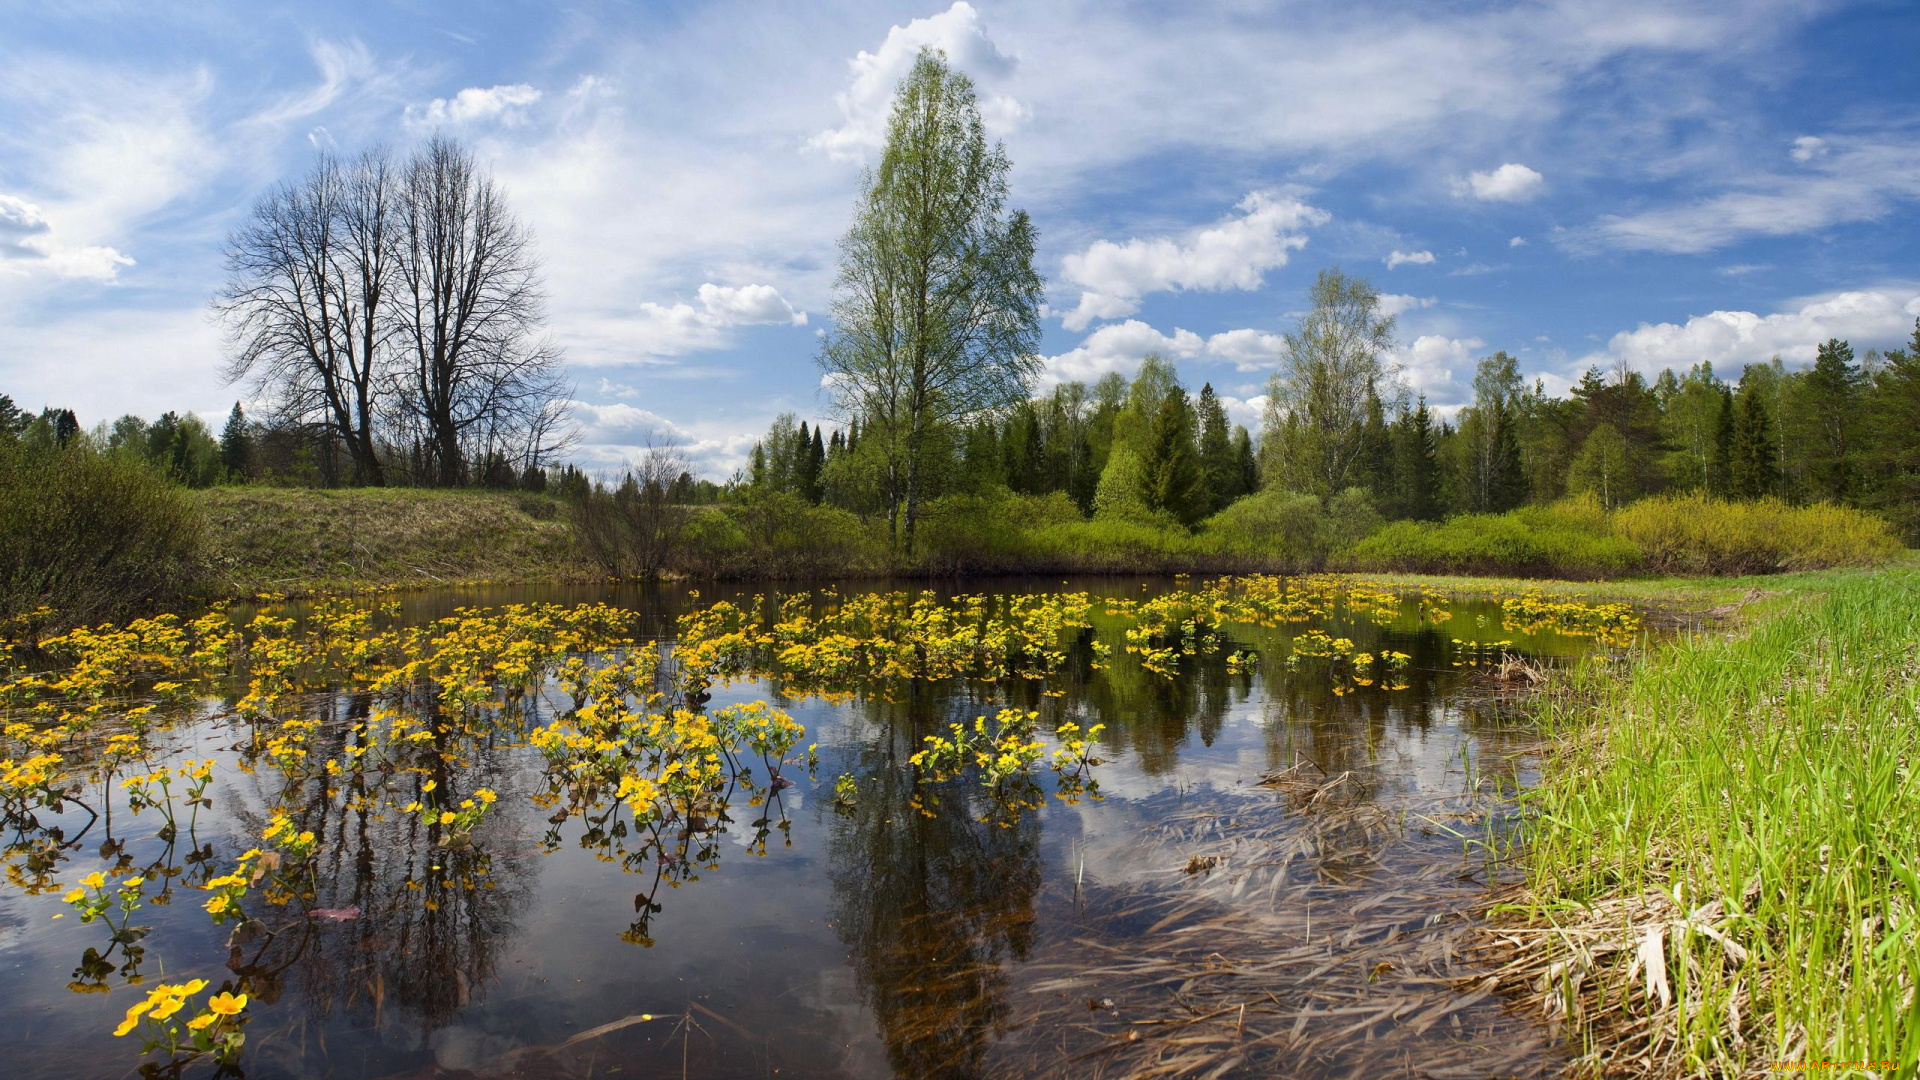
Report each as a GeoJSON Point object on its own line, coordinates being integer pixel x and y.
{"type": "Point", "coordinates": [476, 374]}
{"type": "Point", "coordinates": [631, 531]}
{"type": "Point", "coordinates": [304, 301]}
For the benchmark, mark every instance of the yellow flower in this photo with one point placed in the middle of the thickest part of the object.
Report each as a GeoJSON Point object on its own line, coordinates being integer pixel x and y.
{"type": "Point", "coordinates": [446, 817]}
{"type": "Point", "coordinates": [95, 880]}
{"type": "Point", "coordinates": [219, 904]}
{"type": "Point", "coordinates": [226, 1004]}
{"type": "Point", "coordinates": [485, 795]}
{"type": "Point", "coordinates": [75, 896]}
{"type": "Point", "coordinates": [201, 1022]}
{"type": "Point", "coordinates": [133, 882]}
{"type": "Point", "coordinates": [133, 1018]}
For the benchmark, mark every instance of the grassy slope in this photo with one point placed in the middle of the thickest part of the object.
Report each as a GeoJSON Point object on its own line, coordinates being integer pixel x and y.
{"type": "Point", "coordinates": [1721, 870]}
{"type": "Point", "coordinates": [297, 540]}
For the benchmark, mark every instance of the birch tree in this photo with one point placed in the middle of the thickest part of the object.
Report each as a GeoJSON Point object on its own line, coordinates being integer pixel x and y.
{"type": "Point", "coordinates": [936, 306]}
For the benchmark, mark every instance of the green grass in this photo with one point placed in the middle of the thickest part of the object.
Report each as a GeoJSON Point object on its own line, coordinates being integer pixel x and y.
{"type": "Point", "coordinates": [290, 540]}
{"type": "Point", "coordinates": [1743, 805]}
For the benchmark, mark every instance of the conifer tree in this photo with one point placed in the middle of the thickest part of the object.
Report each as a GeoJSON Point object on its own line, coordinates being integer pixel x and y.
{"type": "Point", "coordinates": [1417, 465]}
{"type": "Point", "coordinates": [236, 445]}
{"type": "Point", "coordinates": [1753, 464]}
{"type": "Point", "coordinates": [1220, 470]}
{"type": "Point", "coordinates": [1246, 462]}
{"type": "Point", "coordinates": [1173, 481]}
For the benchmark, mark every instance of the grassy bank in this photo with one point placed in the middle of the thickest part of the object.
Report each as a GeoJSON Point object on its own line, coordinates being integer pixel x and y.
{"type": "Point", "coordinates": [285, 539]}
{"type": "Point", "coordinates": [1721, 867]}
{"type": "Point", "coordinates": [299, 540]}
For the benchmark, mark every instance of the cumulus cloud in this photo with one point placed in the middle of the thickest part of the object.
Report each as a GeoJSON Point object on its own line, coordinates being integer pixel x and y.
{"type": "Point", "coordinates": [1438, 366]}
{"type": "Point", "coordinates": [1234, 253]}
{"type": "Point", "coordinates": [868, 98]}
{"type": "Point", "coordinates": [1878, 317]}
{"type": "Point", "coordinates": [1512, 182]}
{"type": "Point", "coordinates": [1400, 303]}
{"type": "Point", "coordinates": [1518, 241]}
{"type": "Point", "coordinates": [1399, 258]}
{"type": "Point", "coordinates": [506, 104]}
{"type": "Point", "coordinates": [1250, 350]}
{"type": "Point", "coordinates": [616, 435]}
{"type": "Point", "coordinates": [1120, 347]}
{"type": "Point", "coordinates": [748, 305]}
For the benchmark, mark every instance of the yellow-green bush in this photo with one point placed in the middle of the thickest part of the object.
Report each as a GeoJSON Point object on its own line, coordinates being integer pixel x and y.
{"type": "Point", "coordinates": [91, 535]}
{"type": "Point", "coordinates": [1695, 534]}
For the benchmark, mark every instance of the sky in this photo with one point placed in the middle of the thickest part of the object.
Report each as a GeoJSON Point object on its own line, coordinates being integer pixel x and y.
{"type": "Point", "coordinates": [1582, 182]}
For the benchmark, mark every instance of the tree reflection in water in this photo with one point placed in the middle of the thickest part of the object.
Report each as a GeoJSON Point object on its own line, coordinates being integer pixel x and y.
{"type": "Point", "coordinates": [934, 895]}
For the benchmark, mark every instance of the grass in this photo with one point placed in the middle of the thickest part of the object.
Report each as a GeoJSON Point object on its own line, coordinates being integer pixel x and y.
{"type": "Point", "coordinates": [299, 540]}
{"type": "Point", "coordinates": [1721, 866]}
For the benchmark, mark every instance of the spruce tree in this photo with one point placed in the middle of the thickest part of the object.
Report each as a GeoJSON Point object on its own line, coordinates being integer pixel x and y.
{"type": "Point", "coordinates": [1246, 463]}
{"type": "Point", "coordinates": [1506, 482]}
{"type": "Point", "coordinates": [1753, 464]}
{"type": "Point", "coordinates": [1720, 482]}
{"type": "Point", "coordinates": [1376, 452]}
{"type": "Point", "coordinates": [1172, 466]}
{"type": "Point", "coordinates": [1831, 395]}
{"type": "Point", "coordinates": [236, 445]}
{"type": "Point", "coordinates": [1219, 468]}
{"type": "Point", "coordinates": [1417, 465]}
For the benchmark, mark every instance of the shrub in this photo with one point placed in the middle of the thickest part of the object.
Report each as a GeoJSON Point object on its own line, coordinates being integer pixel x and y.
{"type": "Point", "coordinates": [1280, 525]}
{"type": "Point", "coordinates": [1515, 543]}
{"type": "Point", "coordinates": [92, 536]}
{"type": "Point", "coordinates": [1696, 534]}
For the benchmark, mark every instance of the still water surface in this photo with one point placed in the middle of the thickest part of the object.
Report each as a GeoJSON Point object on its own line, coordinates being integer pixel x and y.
{"type": "Point", "coordinates": [1191, 920]}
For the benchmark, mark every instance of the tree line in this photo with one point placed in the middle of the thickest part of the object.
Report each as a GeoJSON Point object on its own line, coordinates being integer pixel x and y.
{"type": "Point", "coordinates": [930, 367]}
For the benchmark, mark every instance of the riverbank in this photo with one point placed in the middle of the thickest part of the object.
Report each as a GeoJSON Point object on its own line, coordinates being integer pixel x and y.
{"type": "Point", "coordinates": [1719, 863]}
{"type": "Point", "coordinates": [295, 541]}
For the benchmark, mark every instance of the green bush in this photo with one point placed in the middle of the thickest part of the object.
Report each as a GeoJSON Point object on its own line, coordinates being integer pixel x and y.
{"type": "Point", "coordinates": [1514, 543]}
{"type": "Point", "coordinates": [1695, 534]}
{"type": "Point", "coordinates": [1285, 526]}
{"type": "Point", "coordinates": [91, 536]}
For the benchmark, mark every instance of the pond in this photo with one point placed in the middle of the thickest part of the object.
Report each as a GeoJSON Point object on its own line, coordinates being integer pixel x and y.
{"type": "Point", "coordinates": [703, 832]}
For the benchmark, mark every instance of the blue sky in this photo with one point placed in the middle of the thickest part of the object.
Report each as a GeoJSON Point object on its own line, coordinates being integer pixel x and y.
{"type": "Point", "coordinates": [1581, 182]}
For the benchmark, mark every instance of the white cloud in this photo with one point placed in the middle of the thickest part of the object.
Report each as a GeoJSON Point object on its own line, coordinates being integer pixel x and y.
{"type": "Point", "coordinates": [507, 104]}
{"type": "Point", "coordinates": [19, 217]}
{"type": "Point", "coordinates": [1399, 258]}
{"type": "Point", "coordinates": [748, 305]}
{"type": "Point", "coordinates": [659, 330]}
{"type": "Point", "coordinates": [1808, 147]}
{"type": "Point", "coordinates": [1246, 412]}
{"type": "Point", "coordinates": [1516, 242]}
{"type": "Point", "coordinates": [1250, 350]}
{"type": "Point", "coordinates": [1119, 347]}
{"type": "Point", "coordinates": [1512, 182]}
{"type": "Point", "coordinates": [1876, 317]}
{"type": "Point", "coordinates": [1400, 303]}
{"type": "Point", "coordinates": [1432, 365]}
{"type": "Point", "coordinates": [868, 99]}
{"type": "Point", "coordinates": [29, 244]}
{"type": "Point", "coordinates": [1853, 179]}
{"type": "Point", "coordinates": [1234, 253]}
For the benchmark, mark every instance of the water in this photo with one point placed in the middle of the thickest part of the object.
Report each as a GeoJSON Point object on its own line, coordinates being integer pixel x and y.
{"type": "Point", "coordinates": [1192, 920]}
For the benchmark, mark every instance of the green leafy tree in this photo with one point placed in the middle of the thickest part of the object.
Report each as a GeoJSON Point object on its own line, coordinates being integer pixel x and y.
{"type": "Point", "coordinates": [936, 309]}
{"type": "Point", "coordinates": [1604, 467]}
{"type": "Point", "coordinates": [1317, 403]}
